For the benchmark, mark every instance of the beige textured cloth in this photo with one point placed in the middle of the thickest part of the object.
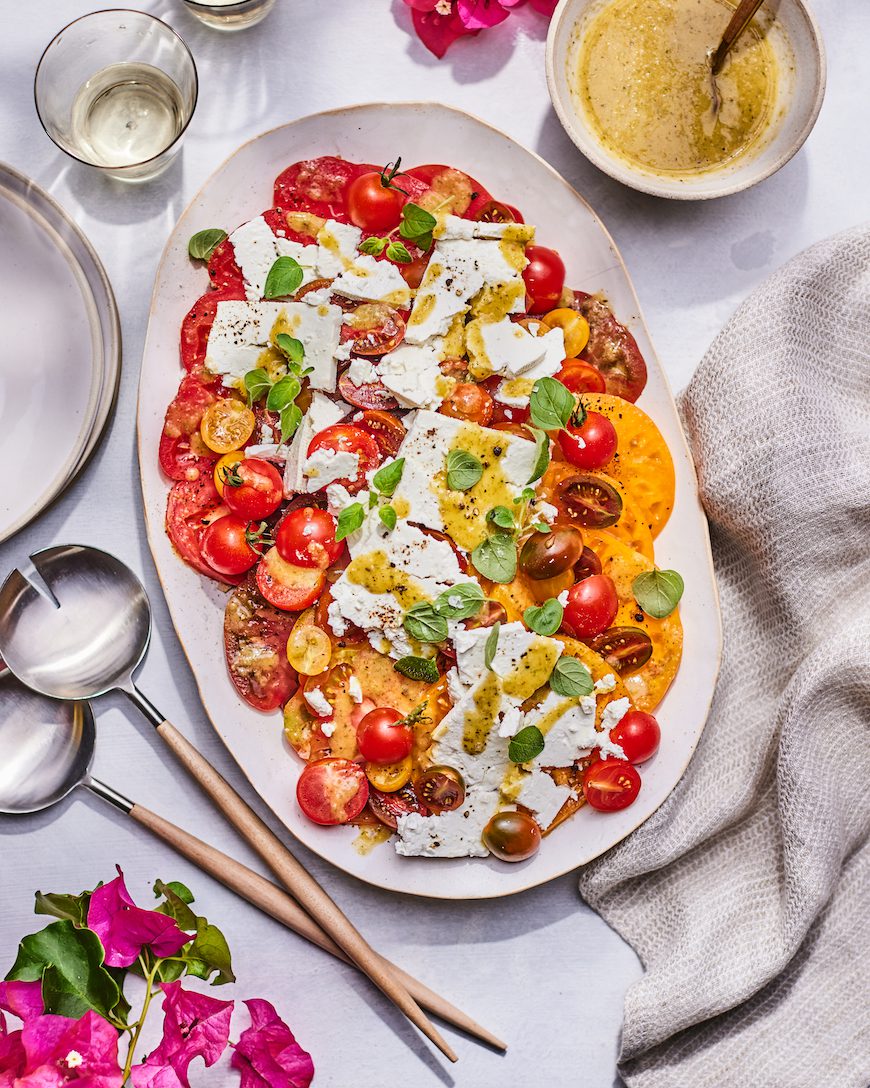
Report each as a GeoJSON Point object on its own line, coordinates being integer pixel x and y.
{"type": "Point", "coordinates": [747, 895]}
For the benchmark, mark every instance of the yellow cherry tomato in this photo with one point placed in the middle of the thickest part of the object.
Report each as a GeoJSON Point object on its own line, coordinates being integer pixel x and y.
{"type": "Point", "coordinates": [309, 649]}
{"type": "Point", "coordinates": [389, 777]}
{"type": "Point", "coordinates": [573, 325]}
{"type": "Point", "coordinates": [223, 466]}
{"type": "Point", "coordinates": [226, 425]}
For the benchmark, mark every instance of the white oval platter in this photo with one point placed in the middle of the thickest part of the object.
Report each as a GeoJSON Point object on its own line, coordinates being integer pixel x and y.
{"type": "Point", "coordinates": [240, 189]}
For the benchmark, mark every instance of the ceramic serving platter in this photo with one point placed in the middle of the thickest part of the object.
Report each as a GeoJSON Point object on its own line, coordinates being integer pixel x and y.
{"type": "Point", "coordinates": [241, 189]}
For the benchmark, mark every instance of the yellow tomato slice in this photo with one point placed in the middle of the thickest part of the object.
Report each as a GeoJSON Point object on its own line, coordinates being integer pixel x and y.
{"type": "Point", "coordinates": [309, 649]}
{"type": "Point", "coordinates": [226, 425]}
{"type": "Point", "coordinates": [574, 326]}
{"type": "Point", "coordinates": [389, 777]}
{"type": "Point", "coordinates": [223, 467]}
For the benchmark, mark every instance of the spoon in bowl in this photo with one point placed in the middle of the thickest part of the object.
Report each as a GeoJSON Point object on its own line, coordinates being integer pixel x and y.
{"type": "Point", "coordinates": [85, 634]}
{"type": "Point", "coordinates": [739, 21]}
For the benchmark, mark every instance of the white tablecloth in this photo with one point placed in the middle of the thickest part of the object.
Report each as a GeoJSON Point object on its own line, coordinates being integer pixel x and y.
{"type": "Point", "coordinates": [540, 969]}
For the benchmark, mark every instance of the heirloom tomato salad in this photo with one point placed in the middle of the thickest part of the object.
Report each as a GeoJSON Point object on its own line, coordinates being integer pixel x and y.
{"type": "Point", "coordinates": [412, 452]}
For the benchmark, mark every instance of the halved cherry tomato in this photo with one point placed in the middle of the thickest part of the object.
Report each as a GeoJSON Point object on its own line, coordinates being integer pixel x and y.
{"type": "Point", "coordinates": [512, 836]}
{"type": "Point", "coordinates": [468, 401]}
{"type": "Point", "coordinates": [373, 396]}
{"type": "Point", "coordinates": [587, 565]}
{"type": "Point", "coordinates": [224, 545]}
{"type": "Point", "coordinates": [592, 444]}
{"type": "Point", "coordinates": [226, 425]}
{"type": "Point", "coordinates": [183, 454]}
{"type": "Point", "coordinates": [253, 489]}
{"type": "Point", "coordinates": [625, 649]}
{"type": "Point", "coordinates": [254, 637]}
{"type": "Point", "coordinates": [286, 585]}
{"type": "Point", "coordinates": [610, 784]}
{"type": "Point", "coordinates": [345, 438]}
{"type": "Point", "coordinates": [574, 326]}
{"type": "Point", "coordinates": [309, 649]}
{"type": "Point", "coordinates": [591, 607]}
{"type": "Point", "coordinates": [493, 211]}
{"type": "Point", "coordinates": [332, 791]}
{"type": "Point", "coordinates": [611, 348]}
{"type": "Point", "coordinates": [388, 807]}
{"type": "Point", "coordinates": [588, 500]}
{"type": "Point", "coordinates": [387, 431]}
{"type": "Point", "coordinates": [389, 777]}
{"type": "Point", "coordinates": [306, 536]}
{"type": "Point", "coordinates": [638, 734]}
{"type": "Point", "coordinates": [545, 555]}
{"type": "Point", "coordinates": [581, 377]}
{"type": "Point", "coordinates": [384, 737]}
{"type": "Point", "coordinates": [372, 204]}
{"type": "Point", "coordinates": [374, 328]}
{"type": "Point", "coordinates": [223, 466]}
{"type": "Point", "coordinates": [441, 789]}
{"type": "Point", "coordinates": [544, 276]}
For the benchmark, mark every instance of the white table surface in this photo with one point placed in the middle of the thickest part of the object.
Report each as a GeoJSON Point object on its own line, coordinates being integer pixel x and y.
{"type": "Point", "coordinates": [540, 969]}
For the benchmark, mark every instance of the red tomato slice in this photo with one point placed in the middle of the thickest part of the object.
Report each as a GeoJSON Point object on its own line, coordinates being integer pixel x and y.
{"type": "Point", "coordinates": [372, 395]}
{"type": "Point", "coordinates": [182, 452]}
{"type": "Point", "coordinates": [374, 328]}
{"type": "Point", "coordinates": [197, 325]}
{"type": "Point", "coordinates": [429, 173]}
{"type": "Point", "coordinates": [222, 268]}
{"type": "Point", "coordinates": [387, 430]}
{"type": "Point", "coordinates": [317, 186]}
{"type": "Point", "coordinates": [345, 438]}
{"type": "Point", "coordinates": [611, 348]}
{"type": "Point", "coordinates": [255, 641]}
{"type": "Point", "coordinates": [388, 807]}
{"type": "Point", "coordinates": [287, 586]}
{"type": "Point", "coordinates": [332, 791]}
{"type": "Point", "coordinates": [191, 507]}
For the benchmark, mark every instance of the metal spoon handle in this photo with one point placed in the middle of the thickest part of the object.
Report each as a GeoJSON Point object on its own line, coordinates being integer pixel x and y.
{"type": "Point", "coordinates": [738, 22]}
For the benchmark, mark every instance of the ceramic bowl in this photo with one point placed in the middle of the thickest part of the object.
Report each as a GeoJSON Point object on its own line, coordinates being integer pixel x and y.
{"type": "Point", "coordinates": [795, 36]}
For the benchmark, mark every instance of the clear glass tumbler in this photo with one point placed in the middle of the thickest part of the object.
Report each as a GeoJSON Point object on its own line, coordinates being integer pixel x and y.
{"type": "Point", "coordinates": [116, 90]}
{"type": "Point", "coordinates": [230, 14]}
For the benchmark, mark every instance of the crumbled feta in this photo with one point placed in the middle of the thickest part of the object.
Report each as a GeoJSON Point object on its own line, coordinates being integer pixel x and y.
{"type": "Point", "coordinates": [571, 729]}
{"type": "Point", "coordinates": [322, 413]}
{"type": "Point", "coordinates": [413, 375]}
{"type": "Point", "coordinates": [563, 598]}
{"type": "Point", "coordinates": [454, 834]}
{"type": "Point", "coordinates": [454, 227]}
{"type": "Point", "coordinates": [540, 793]}
{"type": "Point", "coordinates": [605, 684]}
{"type": "Point", "coordinates": [374, 281]}
{"type": "Point", "coordinates": [362, 372]}
{"type": "Point", "coordinates": [335, 619]}
{"type": "Point", "coordinates": [256, 248]}
{"type": "Point", "coordinates": [505, 347]}
{"type": "Point", "coordinates": [613, 714]}
{"type": "Point", "coordinates": [545, 511]}
{"type": "Point", "coordinates": [318, 702]}
{"type": "Point", "coordinates": [337, 248]}
{"type": "Point", "coordinates": [327, 466]}
{"type": "Point", "coordinates": [338, 497]}
{"type": "Point", "coordinates": [354, 689]}
{"type": "Point", "coordinates": [269, 451]}
{"type": "Point", "coordinates": [327, 726]}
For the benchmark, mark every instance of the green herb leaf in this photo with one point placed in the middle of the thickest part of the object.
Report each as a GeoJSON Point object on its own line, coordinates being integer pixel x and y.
{"type": "Point", "coordinates": [658, 592]}
{"type": "Point", "coordinates": [373, 499]}
{"type": "Point", "coordinates": [290, 418]}
{"type": "Point", "coordinates": [571, 677]}
{"type": "Point", "coordinates": [257, 384]}
{"type": "Point", "coordinates": [208, 954]}
{"type": "Point", "coordinates": [526, 495]}
{"type": "Point", "coordinates": [181, 890]}
{"type": "Point", "coordinates": [283, 392]}
{"type": "Point", "coordinates": [542, 454]}
{"type": "Point", "coordinates": [541, 526]}
{"type": "Point", "coordinates": [423, 623]}
{"type": "Point", "coordinates": [496, 558]}
{"type": "Point", "coordinates": [460, 602]}
{"type": "Point", "coordinates": [285, 278]}
{"type": "Point", "coordinates": [388, 516]}
{"type": "Point", "coordinates": [551, 404]}
{"type": "Point", "coordinates": [545, 619]}
{"type": "Point", "coordinates": [294, 349]}
{"type": "Point", "coordinates": [417, 225]}
{"type": "Point", "coordinates": [527, 744]}
{"type": "Point", "coordinates": [349, 520]}
{"type": "Point", "coordinates": [386, 479]}
{"type": "Point", "coordinates": [205, 242]}
{"type": "Point", "coordinates": [397, 252]}
{"type": "Point", "coordinates": [418, 668]}
{"type": "Point", "coordinates": [491, 645]}
{"type": "Point", "coordinates": [464, 470]}
{"type": "Point", "coordinates": [74, 908]}
{"type": "Point", "coordinates": [501, 518]}
{"type": "Point", "coordinates": [373, 246]}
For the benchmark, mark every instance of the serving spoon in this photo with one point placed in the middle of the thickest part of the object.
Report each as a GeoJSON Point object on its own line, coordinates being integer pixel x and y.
{"type": "Point", "coordinates": [83, 633]}
{"type": "Point", "coordinates": [46, 752]}
{"type": "Point", "coordinates": [739, 21]}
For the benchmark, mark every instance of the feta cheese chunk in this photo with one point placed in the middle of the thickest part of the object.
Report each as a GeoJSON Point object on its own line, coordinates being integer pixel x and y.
{"type": "Point", "coordinates": [568, 725]}
{"type": "Point", "coordinates": [454, 227]}
{"type": "Point", "coordinates": [362, 372]}
{"type": "Point", "coordinates": [514, 649]}
{"type": "Point", "coordinates": [256, 248]}
{"type": "Point", "coordinates": [454, 834]}
{"type": "Point", "coordinates": [507, 348]}
{"type": "Point", "coordinates": [318, 703]}
{"type": "Point", "coordinates": [413, 375]}
{"type": "Point", "coordinates": [322, 413]}
{"type": "Point", "coordinates": [337, 248]}
{"type": "Point", "coordinates": [373, 281]}
{"type": "Point", "coordinates": [538, 792]}
{"type": "Point", "coordinates": [326, 466]}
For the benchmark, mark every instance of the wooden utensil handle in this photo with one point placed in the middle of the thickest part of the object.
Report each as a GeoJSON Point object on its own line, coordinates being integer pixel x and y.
{"type": "Point", "coordinates": [274, 901]}
{"type": "Point", "coordinates": [738, 22]}
{"type": "Point", "coordinates": [298, 881]}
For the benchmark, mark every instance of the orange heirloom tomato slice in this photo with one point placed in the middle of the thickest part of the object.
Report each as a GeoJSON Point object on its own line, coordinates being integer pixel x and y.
{"type": "Point", "coordinates": [574, 326]}
{"type": "Point", "coordinates": [227, 425]}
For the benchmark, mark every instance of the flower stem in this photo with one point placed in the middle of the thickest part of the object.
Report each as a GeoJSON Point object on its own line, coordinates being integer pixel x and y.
{"type": "Point", "coordinates": [134, 1039]}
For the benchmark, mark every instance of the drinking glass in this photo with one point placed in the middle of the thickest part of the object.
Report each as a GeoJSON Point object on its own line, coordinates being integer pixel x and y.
{"type": "Point", "coordinates": [116, 90]}
{"type": "Point", "coordinates": [230, 14]}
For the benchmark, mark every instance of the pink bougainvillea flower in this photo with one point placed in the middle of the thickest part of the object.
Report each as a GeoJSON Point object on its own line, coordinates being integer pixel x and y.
{"type": "Point", "coordinates": [438, 32]}
{"type": "Point", "coordinates": [125, 929]}
{"type": "Point", "coordinates": [194, 1026]}
{"type": "Point", "coordinates": [544, 7]}
{"type": "Point", "coordinates": [59, 1051]}
{"type": "Point", "coordinates": [481, 14]}
{"type": "Point", "coordinates": [267, 1054]}
{"type": "Point", "coordinates": [22, 999]}
{"type": "Point", "coordinates": [12, 1056]}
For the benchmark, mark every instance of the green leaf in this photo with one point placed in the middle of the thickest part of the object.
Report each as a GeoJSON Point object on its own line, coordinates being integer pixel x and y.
{"type": "Point", "coordinates": [174, 905]}
{"type": "Point", "coordinates": [527, 744]}
{"type": "Point", "coordinates": [398, 253]}
{"type": "Point", "coordinates": [373, 246]}
{"type": "Point", "coordinates": [285, 278]}
{"type": "Point", "coordinates": [464, 470]}
{"type": "Point", "coordinates": [658, 592]}
{"type": "Point", "coordinates": [290, 417]}
{"type": "Point", "coordinates": [205, 242]}
{"type": "Point", "coordinates": [388, 517]}
{"type": "Point", "coordinates": [294, 349]}
{"type": "Point", "coordinates": [424, 624]}
{"type": "Point", "coordinates": [181, 890]}
{"type": "Point", "coordinates": [208, 954]}
{"type": "Point", "coordinates": [545, 619]}
{"type": "Point", "coordinates": [417, 224]}
{"type": "Point", "coordinates": [541, 526]}
{"type": "Point", "coordinates": [542, 454]}
{"type": "Point", "coordinates": [501, 518]}
{"type": "Point", "coordinates": [491, 645]}
{"type": "Point", "coordinates": [386, 479]}
{"type": "Point", "coordinates": [57, 905]}
{"type": "Point", "coordinates": [496, 558]}
{"type": "Point", "coordinates": [349, 520]}
{"type": "Point", "coordinates": [571, 677]}
{"type": "Point", "coordinates": [551, 404]}
{"type": "Point", "coordinates": [70, 963]}
{"type": "Point", "coordinates": [257, 384]}
{"type": "Point", "coordinates": [460, 602]}
{"type": "Point", "coordinates": [418, 668]}
{"type": "Point", "coordinates": [283, 393]}
{"type": "Point", "coordinates": [373, 500]}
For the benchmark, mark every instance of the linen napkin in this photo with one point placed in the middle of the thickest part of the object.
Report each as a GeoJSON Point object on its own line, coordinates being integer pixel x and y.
{"type": "Point", "coordinates": [747, 895]}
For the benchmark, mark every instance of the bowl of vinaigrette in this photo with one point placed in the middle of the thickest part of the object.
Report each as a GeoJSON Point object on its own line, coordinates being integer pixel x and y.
{"type": "Point", "coordinates": [631, 83]}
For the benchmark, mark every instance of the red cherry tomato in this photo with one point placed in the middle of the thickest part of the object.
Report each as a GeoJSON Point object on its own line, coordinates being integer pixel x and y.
{"type": "Point", "coordinates": [385, 429]}
{"type": "Point", "coordinates": [224, 546]}
{"type": "Point", "coordinates": [545, 278]}
{"type": "Point", "coordinates": [253, 489]}
{"type": "Point", "coordinates": [441, 789]}
{"type": "Point", "coordinates": [286, 585]}
{"type": "Point", "coordinates": [638, 735]}
{"type": "Point", "coordinates": [468, 401]}
{"type": "Point", "coordinates": [580, 377]}
{"type": "Point", "coordinates": [383, 737]}
{"type": "Point", "coordinates": [372, 204]}
{"type": "Point", "coordinates": [610, 784]}
{"type": "Point", "coordinates": [345, 438]}
{"type": "Point", "coordinates": [592, 444]}
{"type": "Point", "coordinates": [306, 537]}
{"type": "Point", "coordinates": [332, 791]}
{"type": "Point", "coordinates": [591, 606]}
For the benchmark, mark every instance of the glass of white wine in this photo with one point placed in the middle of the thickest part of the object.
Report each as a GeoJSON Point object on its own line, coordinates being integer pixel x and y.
{"type": "Point", "coordinates": [230, 14]}
{"type": "Point", "coordinates": [116, 90]}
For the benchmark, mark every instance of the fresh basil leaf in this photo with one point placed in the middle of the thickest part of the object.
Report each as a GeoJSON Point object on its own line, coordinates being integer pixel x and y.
{"type": "Point", "coordinates": [460, 602]}
{"type": "Point", "coordinates": [398, 253]}
{"type": "Point", "coordinates": [285, 278]}
{"type": "Point", "coordinates": [283, 392]}
{"type": "Point", "coordinates": [388, 517]}
{"type": "Point", "coordinates": [551, 404]}
{"type": "Point", "coordinates": [386, 479]}
{"type": "Point", "coordinates": [542, 454]}
{"type": "Point", "coordinates": [257, 384]}
{"type": "Point", "coordinates": [373, 246]}
{"type": "Point", "coordinates": [658, 592]}
{"type": "Point", "coordinates": [205, 242]}
{"type": "Point", "coordinates": [373, 500]}
{"type": "Point", "coordinates": [491, 645]}
{"type": "Point", "coordinates": [496, 558]}
{"type": "Point", "coordinates": [464, 470]}
{"type": "Point", "coordinates": [417, 224]}
{"type": "Point", "coordinates": [349, 520]}
{"type": "Point", "coordinates": [290, 418]}
{"type": "Point", "coordinates": [501, 518]}
{"type": "Point", "coordinates": [294, 349]}
{"type": "Point", "coordinates": [545, 619]}
{"type": "Point", "coordinates": [571, 677]}
{"type": "Point", "coordinates": [418, 668]}
{"type": "Point", "coordinates": [526, 744]}
{"type": "Point", "coordinates": [424, 624]}
{"type": "Point", "coordinates": [526, 495]}
{"type": "Point", "coordinates": [57, 905]}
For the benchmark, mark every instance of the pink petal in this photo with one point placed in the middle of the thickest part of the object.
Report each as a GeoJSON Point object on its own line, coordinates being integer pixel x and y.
{"type": "Point", "coordinates": [12, 1056]}
{"type": "Point", "coordinates": [125, 929]}
{"type": "Point", "coordinates": [49, 1041]}
{"type": "Point", "coordinates": [480, 14]}
{"type": "Point", "coordinates": [438, 32]}
{"type": "Point", "coordinates": [22, 999]}
{"type": "Point", "coordinates": [194, 1026]}
{"type": "Point", "coordinates": [544, 7]}
{"type": "Point", "coordinates": [267, 1054]}
{"type": "Point", "coordinates": [421, 5]}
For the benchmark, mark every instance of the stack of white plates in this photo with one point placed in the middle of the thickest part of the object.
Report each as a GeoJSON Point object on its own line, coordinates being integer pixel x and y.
{"type": "Point", "coordinates": [60, 350]}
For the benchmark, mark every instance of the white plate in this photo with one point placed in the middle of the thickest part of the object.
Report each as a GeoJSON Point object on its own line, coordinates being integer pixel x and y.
{"type": "Point", "coordinates": [240, 189]}
{"type": "Point", "coordinates": [61, 349]}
